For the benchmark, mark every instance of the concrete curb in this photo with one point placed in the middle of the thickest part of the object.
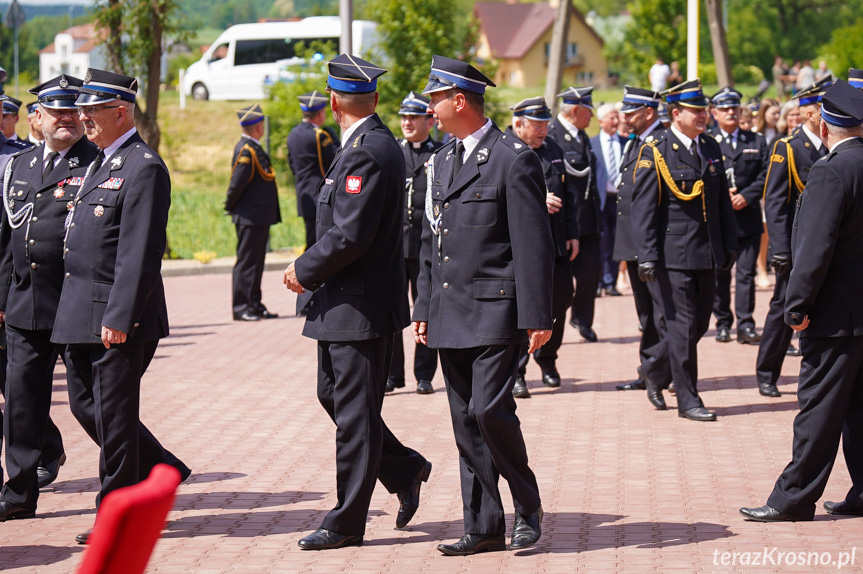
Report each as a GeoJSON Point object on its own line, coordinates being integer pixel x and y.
{"type": "Point", "coordinates": [275, 261]}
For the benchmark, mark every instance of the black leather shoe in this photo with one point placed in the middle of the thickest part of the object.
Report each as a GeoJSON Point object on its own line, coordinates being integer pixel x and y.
{"type": "Point", "coordinates": [84, 537]}
{"type": "Point", "coordinates": [723, 335]}
{"type": "Point", "coordinates": [474, 544]}
{"type": "Point", "coordinates": [519, 390]}
{"type": "Point", "coordinates": [267, 315]}
{"type": "Point", "coordinates": [9, 511]}
{"type": "Point", "coordinates": [47, 474]}
{"type": "Point", "coordinates": [551, 378]}
{"type": "Point", "coordinates": [748, 336]}
{"type": "Point", "coordinates": [410, 499]}
{"type": "Point", "coordinates": [526, 530]}
{"type": "Point", "coordinates": [654, 393]}
{"type": "Point", "coordinates": [768, 390]}
{"type": "Point", "coordinates": [424, 388]}
{"type": "Point", "coordinates": [323, 539]}
{"type": "Point", "coordinates": [587, 334]}
{"type": "Point", "coordinates": [697, 414]}
{"type": "Point", "coordinates": [842, 508]}
{"type": "Point", "coordinates": [612, 291]}
{"type": "Point", "coordinates": [766, 514]}
{"type": "Point", "coordinates": [393, 384]}
{"type": "Point", "coordinates": [246, 316]}
{"type": "Point", "coordinates": [792, 351]}
{"type": "Point", "coordinates": [672, 390]}
{"type": "Point", "coordinates": [633, 386]}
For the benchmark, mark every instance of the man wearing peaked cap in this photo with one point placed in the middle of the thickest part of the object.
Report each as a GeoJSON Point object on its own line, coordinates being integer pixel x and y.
{"type": "Point", "coordinates": [253, 202]}
{"type": "Point", "coordinates": [111, 316]}
{"type": "Point", "coordinates": [855, 78]}
{"type": "Point", "coordinates": [356, 272]}
{"type": "Point", "coordinates": [788, 167]}
{"type": "Point", "coordinates": [820, 303]}
{"type": "Point", "coordinates": [744, 154]}
{"type": "Point", "coordinates": [11, 115]}
{"type": "Point", "coordinates": [567, 129]}
{"type": "Point", "coordinates": [530, 124]}
{"type": "Point", "coordinates": [683, 227]}
{"type": "Point", "coordinates": [485, 292]}
{"type": "Point", "coordinates": [417, 147]}
{"type": "Point", "coordinates": [7, 147]}
{"type": "Point", "coordinates": [35, 136]}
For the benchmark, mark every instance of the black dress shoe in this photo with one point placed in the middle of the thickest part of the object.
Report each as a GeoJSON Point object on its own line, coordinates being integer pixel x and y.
{"type": "Point", "coordinates": [654, 393]}
{"type": "Point", "coordinates": [323, 539]}
{"type": "Point", "coordinates": [633, 386]}
{"type": "Point", "coordinates": [748, 336]}
{"type": "Point", "coordinates": [474, 544]}
{"type": "Point", "coordinates": [267, 315]}
{"type": "Point", "coordinates": [246, 316]}
{"type": "Point", "coordinates": [551, 378]}
{"type": "Point", "coordinates": [424, 387]}
{"type": "Point", "coordinates": [393, 384]}
{"type": "Point", "coordinates": [766, 514]}
{"type": "Point", "coordinates": [723, 335]}
{"type": "Point", "coordinates": [9, 511]}
{"type": "Point", "coordinates": [792, 351]}
{"type": "Point", "coordinates": [697, 414]}
{"type": "Point", "coordinates": [842, 508]}
{"type": "Point", "coordinates": [47, 474]}
{"type": "Point", "coordinates": [768, 390]}
{"type": "Point", "coordinates": [519, 390]}
{"type": "Point", "coordinates": [526, 530]}
{"type": "Point", "coordinates": [410, 499]}
{"type": "Point", "coordinates": [672, 390]}
{"type": "Point", "coordinates": [612, 291]}
{"type": "Point", "coordinates": [587, 334]}
{"type": "Point", "coordinates": [84, 537]}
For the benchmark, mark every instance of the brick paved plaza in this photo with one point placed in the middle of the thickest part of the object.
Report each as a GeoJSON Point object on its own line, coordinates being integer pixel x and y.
{"type": "Point", "coordinates": [625, 488]}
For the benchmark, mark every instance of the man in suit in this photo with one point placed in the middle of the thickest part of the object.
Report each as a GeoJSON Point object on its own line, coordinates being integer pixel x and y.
{"type": "Point", "coordinates": [608, 151]}
{"type": "Point", "coordinates": [11, 109]}
{"type": "Point", "coordinates": [567, 129]}
{"type": "Point", "coordinates": [640, 112]}
{"type": "Point", "coordinates": [823, 305]}
{"type": "Point", "coordinates": [788, 170]}
{"type": "Point", "coordinates": [417, 147]}
{"type": "Point", "coordinates": [530, 125]}
{"type": "Point", "coordinates": [356, 271]}
{"type": "Point", "coordinates": [683, 225]}
{"type": "Point", "coordinates": [112, 309]}
{"type": "Point", "coordinates": [253, 203]}
{"type": "Point", "coordinates": [32, 270]}
{"type": "Point", "coordinates": [485, 293]}
{"type": "Point", "coordinates": [744, 155]}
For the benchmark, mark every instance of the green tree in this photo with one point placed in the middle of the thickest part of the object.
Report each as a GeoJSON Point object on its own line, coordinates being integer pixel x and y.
{"type": "Point", "coordinates": [845, 49]}
{"type": "Point", "coordinates": [657, 30]}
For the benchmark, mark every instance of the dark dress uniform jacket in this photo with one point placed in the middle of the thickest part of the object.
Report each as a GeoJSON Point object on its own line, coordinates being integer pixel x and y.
{"type": "Point", "coordinates": [416, 184]}
{"type": "Point", "coordinates": [32, 264]}
{"type": "Point", "coordinates": [492, 277]}
{"type": "Point", "coordinates": [672, 231]}
{"type": "Point", "coordinates": [749, 162]}
{"type": "Point", "coordinates": [785, 181]}
{"type": "Point", "coordinates": [579, 156]}
{"type": "Point", "coordinates": [356, 268]}
{"type": "Point", "coordinates": [114, 260]}
{"type": "Point", "coordinates": [310, 152]}
{"type": "Point", "coordinates": [252, 195]}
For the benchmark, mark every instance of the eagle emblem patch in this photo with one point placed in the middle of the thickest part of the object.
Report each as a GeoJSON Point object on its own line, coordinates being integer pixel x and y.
{"type": "Point", "coordinates": [354, 184]}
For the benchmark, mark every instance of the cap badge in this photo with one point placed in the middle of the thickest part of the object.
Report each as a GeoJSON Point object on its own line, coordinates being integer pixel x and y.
{"type": "Point", "coordinates": [88, 78]}
{"type": "Point", "coordinates": [64, 83]}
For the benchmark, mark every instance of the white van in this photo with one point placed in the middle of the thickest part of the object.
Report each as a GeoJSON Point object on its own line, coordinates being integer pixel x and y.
{"type": "Point", "coordinates": [236, 66]}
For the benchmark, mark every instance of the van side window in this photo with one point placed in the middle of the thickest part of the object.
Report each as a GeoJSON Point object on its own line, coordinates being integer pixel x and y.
{"type": "Point", "coordinates": [250, 52]}
{"type": "Point", "coordinates": [220, 53]}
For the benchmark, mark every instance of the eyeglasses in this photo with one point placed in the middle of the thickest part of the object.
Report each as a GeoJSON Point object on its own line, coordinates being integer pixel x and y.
{"type": "Point", "coordinates": [93, 109]}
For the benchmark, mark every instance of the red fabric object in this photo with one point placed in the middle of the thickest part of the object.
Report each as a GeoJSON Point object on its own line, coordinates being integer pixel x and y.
{"type": "Point", "coordinates": [129, 523]}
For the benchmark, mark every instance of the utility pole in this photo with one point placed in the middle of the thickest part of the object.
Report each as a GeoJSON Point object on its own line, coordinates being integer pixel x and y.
{"type": "Point", "coordinates": [691, 39]}
{"type": "Point", "coordinates": [557, 54]}
{"type": "Point", "coordinates": [14, 19]}
{"type": "Point", "coordinates": [346, 12]}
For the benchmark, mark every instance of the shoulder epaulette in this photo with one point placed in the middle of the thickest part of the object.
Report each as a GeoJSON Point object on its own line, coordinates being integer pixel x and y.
{"type": "Point", "coordinates": [514, 144]}
{"type": "Point", "coordinates": [20, 144]}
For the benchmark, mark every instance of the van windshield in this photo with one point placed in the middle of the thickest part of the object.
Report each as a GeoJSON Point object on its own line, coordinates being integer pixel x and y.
{"type": "Point", "coordinates": [264, 51]}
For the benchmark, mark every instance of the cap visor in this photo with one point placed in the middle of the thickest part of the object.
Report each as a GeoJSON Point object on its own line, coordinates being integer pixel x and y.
{"type": "Point", "coordinates": [92, 100]}
{"type": "Point", "coordinates": [434, 86]}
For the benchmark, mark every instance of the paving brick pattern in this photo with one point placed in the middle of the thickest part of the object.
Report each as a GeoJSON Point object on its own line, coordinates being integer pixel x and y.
{"type": "Point", "coordinates": [625, 488]}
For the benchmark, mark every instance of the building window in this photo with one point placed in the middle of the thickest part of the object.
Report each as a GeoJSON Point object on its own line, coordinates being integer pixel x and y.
{"type": "Point", "coordinates": [571, 52]}
{"type": "Point", "coordinates": [584, 78]}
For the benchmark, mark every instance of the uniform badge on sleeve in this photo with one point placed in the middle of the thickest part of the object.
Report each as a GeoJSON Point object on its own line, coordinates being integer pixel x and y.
{"type": "Point", "coordinates": [354, 184]}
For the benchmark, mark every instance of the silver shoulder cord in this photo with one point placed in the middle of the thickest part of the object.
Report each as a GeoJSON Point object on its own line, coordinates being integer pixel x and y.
{"type": "Point", "coordinates": [17, 219]}
{"type": "Point", "coordinates": [580, 173]}
{"type": "Point", "coordinates": [434, 222]}
{"type": "Point", "coordinates": [66, 224]}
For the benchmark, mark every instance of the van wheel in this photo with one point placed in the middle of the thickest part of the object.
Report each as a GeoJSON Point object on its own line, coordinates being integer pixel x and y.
{"type": "Point", "coordinates": [199, 92]}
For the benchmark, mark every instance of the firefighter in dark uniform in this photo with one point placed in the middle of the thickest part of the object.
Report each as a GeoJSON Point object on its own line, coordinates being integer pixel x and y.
{"type": "Point", "coordinates": [485, 293]}
{"type": "Point", "coordinates": [744, 154]}
{"type": "Point", "coordinates": [567, 130]}
{"type": "Point", "coordinates": [683, 225]}
{"type": "Point", "coordinates": [356, 271]}
{"type": "Point", "coordinates": [855, 78]}
{"type": "Point", "coordinates": [418, 147]}
{"type": "Point", "coordinates": [11, 116]}
{"type": "Point", "coordinates": [112, 309]}
{"type": "Point", "coordinates": [253, 202]}
{"type": "Point", "coordinates": [822, 303]}
{"type": "Point", "coordinates": [640, 112]}
{"type": "Point", "coordinates": [530, 125]}
{"type": "Point", "coordinates": [791, 159]}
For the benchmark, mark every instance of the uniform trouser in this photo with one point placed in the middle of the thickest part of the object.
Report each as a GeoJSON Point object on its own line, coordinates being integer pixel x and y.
{"type": "Point", "coordinates": [775, 336]}
{"type": "Point", "coordinates": [352, 377]}
{"type": "Point", "coordinates": [744, 297]}
{"type": "Point", "coordinates": [31, 436]}
{"type": "Point", "coordinates": [830, 395]}
{"type": "Point", "coordinates": [609, 227]}
{"type": "Point", "coordinates": [251, 253]}
{"type": "Point", "coordinates": [653, 347]}
{"type": "Point", "coordinates": [425, 359]}
{"type": "Point", "coordinates": [586, 268]}
{"type": "Point", "coordinates": [687, 300]}
{"type": "Point", "coordinates": [487, 431]}
{"type": "Point", "coordinates": [561, 297]}
{"type": "Point", "coordinates": [105, 397]}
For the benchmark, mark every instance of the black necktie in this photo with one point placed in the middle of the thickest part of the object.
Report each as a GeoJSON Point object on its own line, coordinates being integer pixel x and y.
{"type": "Point", "coordinates": [97, 163]}
{"type": "Point", "coordinates": [49, 166]}
{"type": "Point", "coordinates": [459, 152]}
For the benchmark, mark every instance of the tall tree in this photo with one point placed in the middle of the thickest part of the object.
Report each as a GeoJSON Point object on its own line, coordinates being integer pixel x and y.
{"type": "Point", "coordinates": [719, 43]}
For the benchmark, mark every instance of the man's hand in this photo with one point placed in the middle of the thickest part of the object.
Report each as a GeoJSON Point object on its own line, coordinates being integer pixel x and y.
{"type": "Point", "coordinates": [553, 203]}
{"type": "Point", "coordinates": [780, 262]}
{"type": "Point", "coordinates": [538, 338]}
{"type": "Point", "coordinates": [290, 280]}
{"type": "Point", "coordinates": [2, 317]}
{"type": "Point", "coordinates": [572, 247]}
{"type": "Point", "coordinates": [419, 330]}
{"type": "Point", "coordinates": [802, 325]}
{"type": "Point", "coordinates": [647, 271]}
{"type": "Point", "coordinates": [112, 336]}
{"type": "Point", "coordinates": [738, 202]}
